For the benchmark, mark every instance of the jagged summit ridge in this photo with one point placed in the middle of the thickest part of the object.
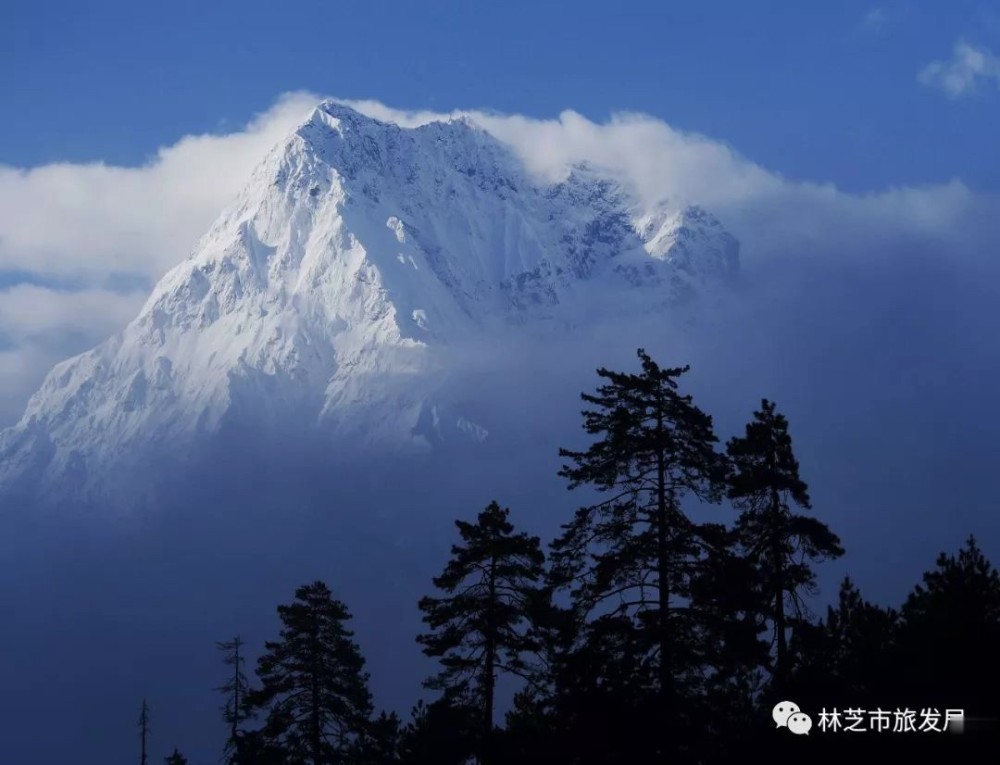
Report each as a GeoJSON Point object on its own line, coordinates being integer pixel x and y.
{"type": "Point", "coordinates": [320, 299]}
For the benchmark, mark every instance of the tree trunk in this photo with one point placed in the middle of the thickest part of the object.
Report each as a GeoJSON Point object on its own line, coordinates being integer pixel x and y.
{"type": "Point", "coordinates": [144, 730]}
{"type": "Point", "coordinates": [489, 678]}
{"type": "Point", "coordinates": [316, 731]}
{"type": "Point", "coordinates": [781, 659]}
{"type": "Point", "coordinates": [236, 693]}
{"type": "Point", "coordinates": [777, 563]}
{"type": "Point", "coordinates": [663, 576]}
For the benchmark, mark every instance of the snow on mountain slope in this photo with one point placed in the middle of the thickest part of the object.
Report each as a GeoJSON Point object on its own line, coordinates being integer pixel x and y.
{"type": "Point", "coordinates": [321, 299]}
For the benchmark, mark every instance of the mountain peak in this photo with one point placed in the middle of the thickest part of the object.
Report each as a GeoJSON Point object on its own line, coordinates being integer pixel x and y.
{"type": "Point", "coordinates": [322, 298]}
{"type": "Point", "coordinates": [341, 117]}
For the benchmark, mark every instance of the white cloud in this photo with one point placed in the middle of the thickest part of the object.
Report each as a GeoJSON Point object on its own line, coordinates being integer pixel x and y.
{"type": "Point", "coordinates": [968, 68]}
{"type": "Point", "coordinates": [874, 20]}
{"type": "Point", "coordinates": [85, 221]}
{"type": "Point", "coordinates": [39, 324]}
{"type": "Point", "coordinates": [28, 311]}
{"type": "Point", "coordinates": [80, 224]}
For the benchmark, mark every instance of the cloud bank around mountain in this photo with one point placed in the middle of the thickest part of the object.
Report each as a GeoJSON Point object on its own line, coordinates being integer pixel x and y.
{"type": "Point", "coordinates": [81, 244]}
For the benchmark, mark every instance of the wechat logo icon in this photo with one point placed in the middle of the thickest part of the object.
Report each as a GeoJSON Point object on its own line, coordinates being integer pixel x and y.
{"type": "Point", "coordinates": [786, 714]}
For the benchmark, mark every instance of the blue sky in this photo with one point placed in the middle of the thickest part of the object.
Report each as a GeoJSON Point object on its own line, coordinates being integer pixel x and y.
{"type": "Point", "coordinates": [817, 91]}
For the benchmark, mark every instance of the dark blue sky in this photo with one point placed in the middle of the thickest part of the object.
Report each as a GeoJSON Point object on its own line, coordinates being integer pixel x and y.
{"type": "Point", "coordinates": [817, 91]}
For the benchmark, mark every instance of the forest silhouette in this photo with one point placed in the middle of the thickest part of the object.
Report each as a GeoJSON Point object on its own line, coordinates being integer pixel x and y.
{"type": "Point", "coordinates": [642, 633]}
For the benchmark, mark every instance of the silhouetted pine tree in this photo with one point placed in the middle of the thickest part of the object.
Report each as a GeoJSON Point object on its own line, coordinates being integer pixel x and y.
{"type": "Point", "coordinates": [937, 653]}
{"type": "Point", "coordinates": [782, 545]}
{"type": "Point", "coordinates": [629, 560]}
{"type": "Point", "coordinates": [176, 758]}
{"type": "Point", "coordinates": [950, 635]}
{"type": "Point", "coordinates": [382, 743]}
{"type": "Point", "coordinates": [540, 721]}
{"type": "Point", "coordinates": [313, 684]}
{"type": "Point", "coordinates": [482, 627]}
{"type": "Point", "coordinates": [849, 658]}
{"type": "Point", "coordinates": [602, 706]}
{"type": "Point", "coordinates": [143, 731]}
{"type": "Point", "coordinates": [256, 748]}
{"type": "Point", "coordinates": [443, 732]}
{"type": "Point", "coordinates": [236, 690]}
{"type": "Point", "coordinates": [727, 646]}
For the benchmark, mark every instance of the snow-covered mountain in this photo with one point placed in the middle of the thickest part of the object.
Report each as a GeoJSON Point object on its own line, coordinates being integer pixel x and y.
{"type": "Point", "coordinates": [333, 295]}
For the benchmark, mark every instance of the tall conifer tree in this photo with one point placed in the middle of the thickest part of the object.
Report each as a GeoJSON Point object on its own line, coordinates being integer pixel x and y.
{"type": "Point", "coordinates": [628, 560]}
{"type": "Point", "coordinates": [236, 691]}
{"type": "Point", "coordinates": [950, 634]}
{"type": "Point", "coordinates": [143, 732]}
{"type": "Point", "coordinates": [481, 628]}
{"type": "Point", "coordinates": [781, 544]}
{"type": "Point", "coordinates": [313, 684]}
